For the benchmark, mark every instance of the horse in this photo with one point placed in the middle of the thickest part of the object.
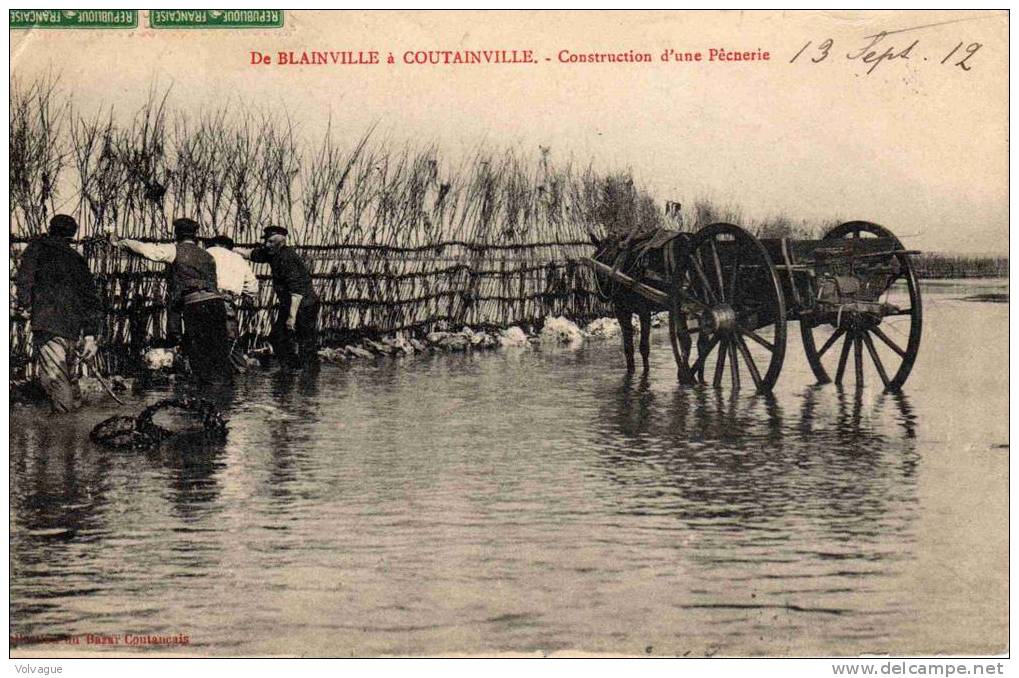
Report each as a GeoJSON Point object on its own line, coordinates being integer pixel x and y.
{"type": "Point", "coordinates": [650, 259]}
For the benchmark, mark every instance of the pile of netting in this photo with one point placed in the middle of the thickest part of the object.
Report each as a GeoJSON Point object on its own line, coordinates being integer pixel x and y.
{"type": "Point", "coordinates": [144, 431]}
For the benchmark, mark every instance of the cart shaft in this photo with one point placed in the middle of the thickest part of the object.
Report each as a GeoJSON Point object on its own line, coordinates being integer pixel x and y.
{"type": "Point", "coordinates": [640, 288]}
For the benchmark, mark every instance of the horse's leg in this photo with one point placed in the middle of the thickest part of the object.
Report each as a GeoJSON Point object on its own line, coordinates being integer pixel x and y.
{"type": "Point", "coordinates": [679, 319]}
{"type": "Point", "coordinates": [645, 338]}
{"type": "Point", "coordinates": [703, 341]}
{"type": "Point", "coordinates": [624, 315]}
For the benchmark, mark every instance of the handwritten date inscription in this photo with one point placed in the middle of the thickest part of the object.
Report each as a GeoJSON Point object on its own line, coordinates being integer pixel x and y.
{"type": "Point", "coordinates": [879, 49]}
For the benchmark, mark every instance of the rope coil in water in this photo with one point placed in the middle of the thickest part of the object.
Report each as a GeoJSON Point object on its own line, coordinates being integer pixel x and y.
{"type": "Point", "coordinates": [142, 432]}
{"type": "Point", "coordinates": [119, 433]}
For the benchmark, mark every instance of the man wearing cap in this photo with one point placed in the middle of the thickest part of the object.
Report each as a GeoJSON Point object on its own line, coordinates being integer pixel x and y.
{"type": "Point", "coordinates": [297, 319]}
{"type": "Point", "coordinates": [194, 295]}
{"type": "Point", "coordinates": [56, 289]}
{"type": "Point", "coordinates": [236, 282]}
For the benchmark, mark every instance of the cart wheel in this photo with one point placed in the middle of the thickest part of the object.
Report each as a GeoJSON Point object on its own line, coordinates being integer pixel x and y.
{"type": "Point", "coordinates": [729, 293]}
{"type": "Point", "coordinates": [680, 338]}
{"type": "Point", "coordinates": [679, 335]}
{"type": "Point", "coordinates": [893, 354]}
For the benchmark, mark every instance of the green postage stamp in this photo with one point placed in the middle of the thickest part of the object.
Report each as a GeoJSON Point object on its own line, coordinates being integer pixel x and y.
{"type": "Point", "coordinates": [74, 18]}
{"type": "Point", "coordinates": [158, 18]}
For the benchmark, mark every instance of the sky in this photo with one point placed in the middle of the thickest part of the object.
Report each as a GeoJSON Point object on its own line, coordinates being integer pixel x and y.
{"type": "Point", "coordinates": [919, 144]}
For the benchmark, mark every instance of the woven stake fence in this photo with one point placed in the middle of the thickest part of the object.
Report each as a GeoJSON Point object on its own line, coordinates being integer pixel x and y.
{"type": "Point", "coordinates": [396, 239]}
{"type": "Point", "coordinates": [364, 290]}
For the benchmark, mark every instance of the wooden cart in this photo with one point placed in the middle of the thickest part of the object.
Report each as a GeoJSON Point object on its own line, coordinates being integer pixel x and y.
{"type": "Point", "coordinates": [731, 295]}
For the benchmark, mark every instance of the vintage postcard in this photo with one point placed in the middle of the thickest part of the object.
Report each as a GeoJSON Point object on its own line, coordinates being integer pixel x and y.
{"type": "Point", "coordinates": [446, 333]}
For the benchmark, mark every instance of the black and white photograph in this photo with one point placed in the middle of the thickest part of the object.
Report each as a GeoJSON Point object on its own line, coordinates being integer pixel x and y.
{"type": "Point", "coordinates": [669, 334]}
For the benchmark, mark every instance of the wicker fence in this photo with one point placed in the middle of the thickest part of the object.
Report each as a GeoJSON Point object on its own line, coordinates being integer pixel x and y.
{"type": "Point", "coordinates": [365, 290]}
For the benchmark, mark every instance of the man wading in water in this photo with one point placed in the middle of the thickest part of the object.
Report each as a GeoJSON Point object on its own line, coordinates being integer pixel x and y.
{"type": "Point", "coordinates": [294, 334]}
{"type": "Point", "coordinates": [194, 294]}
{"type": "Point", "coordinates": [57, 291]}
{"type": "Point", "coordinates": [236, 282]}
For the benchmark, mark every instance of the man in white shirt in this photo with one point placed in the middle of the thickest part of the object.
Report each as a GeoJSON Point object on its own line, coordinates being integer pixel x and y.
{"type": "Point", "coordinates": [234, 276]}
{"type": "Point", "coordinates": [194, 298]}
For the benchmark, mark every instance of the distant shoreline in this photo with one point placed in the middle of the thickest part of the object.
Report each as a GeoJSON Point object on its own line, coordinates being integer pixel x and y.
{"type": "Point", "coordinates": [939, 266]}
{"type": "Point", "coordinates": [995, 281]}
{"type": "Point", "coordinates": [974, 276]}
{"type": "Point", "coordinates": [988, 298]}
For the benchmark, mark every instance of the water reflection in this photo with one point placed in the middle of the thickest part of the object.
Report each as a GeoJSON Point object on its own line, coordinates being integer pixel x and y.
{"type": "Point", "coordinates": [524, 501]}
{"type": "Point", "coordinates": [851, 416]}
{"type": "Point", "coordinates": [191, 467]}
{"type": "Point", "coordinates": [64, 482]}
{"type": "Point", "coordinates": [281, 413]}
{"type": "Point", "coordinates": [701, 454]}
{"type": "Point", "coordinates": [59, 488]}
{"type": "Point", "coordinates": [790, 518]}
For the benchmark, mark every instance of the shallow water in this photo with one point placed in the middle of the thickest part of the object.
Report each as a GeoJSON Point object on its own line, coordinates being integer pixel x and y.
{"type": "Point", "coordinates": [539, 501]}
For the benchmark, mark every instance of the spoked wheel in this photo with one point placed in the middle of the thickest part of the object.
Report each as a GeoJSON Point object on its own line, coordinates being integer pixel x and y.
{"type": "Point", "coordinates": [679, 335]}
{"type": "Point", "coordinates": [890, 339]}
{"type": "Point", "coordinates": [727, 293]}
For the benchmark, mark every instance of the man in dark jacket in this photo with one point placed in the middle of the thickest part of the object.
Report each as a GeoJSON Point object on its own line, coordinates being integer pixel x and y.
{"type": "Point", "coordinates": [294, 334]}
{"type": "Point", "coordinates": [55, 287]}
{"type": "Point", "coordinates": [195, 296]}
